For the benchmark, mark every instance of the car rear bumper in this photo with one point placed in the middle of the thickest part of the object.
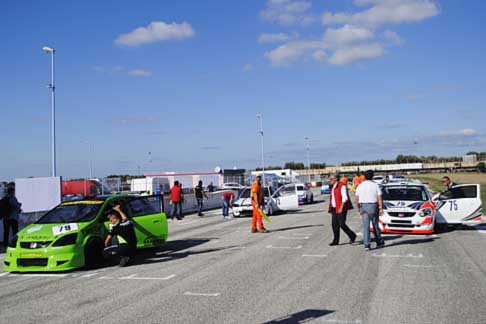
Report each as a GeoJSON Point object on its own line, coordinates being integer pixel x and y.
{"type": "Point", "coordinates": [44, 260]}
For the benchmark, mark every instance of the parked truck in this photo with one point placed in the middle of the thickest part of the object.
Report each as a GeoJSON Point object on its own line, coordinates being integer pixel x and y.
{"type": "Point", "coordinates": [150, 185]}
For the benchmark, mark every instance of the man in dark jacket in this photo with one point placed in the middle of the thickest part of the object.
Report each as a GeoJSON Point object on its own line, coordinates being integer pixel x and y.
{"type": "Point", "coordinates": [12, 209]}
{"type": "Point", "coordinates": [200, 195]}
{"type": "Point", "coordinates": [339, 204]}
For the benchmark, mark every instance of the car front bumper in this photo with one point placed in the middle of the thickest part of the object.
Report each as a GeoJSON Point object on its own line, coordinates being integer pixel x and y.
{"type": "Point", "coordinates": [412, 225]}
{"type": "Point", "coordinates": [44, 260]}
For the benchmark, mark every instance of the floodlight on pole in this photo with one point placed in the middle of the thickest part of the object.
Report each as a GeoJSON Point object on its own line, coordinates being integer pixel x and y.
{"type": "Point", "coordinates": [52, 86]}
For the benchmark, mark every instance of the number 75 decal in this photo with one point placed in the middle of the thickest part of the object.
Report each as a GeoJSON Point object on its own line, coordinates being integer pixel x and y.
{"type": "Point", "coordinates": [453, 205]}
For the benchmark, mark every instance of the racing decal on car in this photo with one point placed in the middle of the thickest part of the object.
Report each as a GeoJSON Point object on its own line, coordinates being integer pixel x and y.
{"type": "Point", "coordinates": [63, 229]}
{"type": "Point", "coordinates": [34, 229]}
{"type": "Point", "coordinates": [153, 241]}
{"type": "Point", "coordinates": [416, 205]}
{"type": "Point", "coordinates": [85, 202]}
{"type": "Point", "coordinates": [477, 213]}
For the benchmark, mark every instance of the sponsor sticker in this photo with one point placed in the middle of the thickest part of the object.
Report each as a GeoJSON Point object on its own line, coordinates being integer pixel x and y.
{"type": "Point", "coordinates": [86, 202]}
{"type": "Point", "coordinates": [34, 229]}
{"type": "Point", "coordinates": [63, 229]}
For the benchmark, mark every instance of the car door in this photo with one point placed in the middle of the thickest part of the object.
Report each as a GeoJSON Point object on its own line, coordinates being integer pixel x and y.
{"type": "Point", "coordinates": [150, 223]}
{"type": "Point", "coordinates": [460, 204]}
{"type": "Point", "coordinates": [287, 198]}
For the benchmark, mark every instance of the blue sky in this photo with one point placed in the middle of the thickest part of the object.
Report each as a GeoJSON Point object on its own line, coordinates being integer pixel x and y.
{"type": "Point", "coordinates": [184, 80]}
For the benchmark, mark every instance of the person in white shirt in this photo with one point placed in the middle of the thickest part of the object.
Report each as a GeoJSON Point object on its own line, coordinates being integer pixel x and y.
{"type": "Point", "coordinates": [370, 202]}
{"type": "Point", "coordinates": [339, 204]}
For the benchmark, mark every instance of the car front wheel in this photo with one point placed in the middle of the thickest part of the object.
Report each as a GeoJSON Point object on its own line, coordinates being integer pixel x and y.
{"type": "Point", "coordinates": [93, 254]}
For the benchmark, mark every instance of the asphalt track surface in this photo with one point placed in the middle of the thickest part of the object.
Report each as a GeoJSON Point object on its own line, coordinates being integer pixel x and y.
{"type": "Point", "coordinates": [216, 271]}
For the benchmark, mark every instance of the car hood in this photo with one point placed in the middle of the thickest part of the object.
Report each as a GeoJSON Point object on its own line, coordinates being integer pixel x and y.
{"type": "Point", "coordinates": [398, 205]}
{"type": "Point", "coordinates": [49, 232]}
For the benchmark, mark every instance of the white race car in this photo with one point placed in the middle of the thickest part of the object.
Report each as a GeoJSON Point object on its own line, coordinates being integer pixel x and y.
{"type": "Point", "coordinates": [283, 199]}
{"type": "Point", "coordinates": [408, 208]}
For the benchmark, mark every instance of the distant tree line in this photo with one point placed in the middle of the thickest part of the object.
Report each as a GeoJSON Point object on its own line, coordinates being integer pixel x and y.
{"type": "Point", "coordinates": [408, 159]}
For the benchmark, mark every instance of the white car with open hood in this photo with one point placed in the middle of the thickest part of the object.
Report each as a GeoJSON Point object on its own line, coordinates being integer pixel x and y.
{"type": "Point", "coordinates": [284, 198]}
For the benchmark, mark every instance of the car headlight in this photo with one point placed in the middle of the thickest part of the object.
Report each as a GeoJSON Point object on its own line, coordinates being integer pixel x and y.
{"type": "Point", "coordinates": [426, 212]}
{"type": "Point", "coordinates": [13, 241]}
{"type": "Point", "coordinates": [69, 239]}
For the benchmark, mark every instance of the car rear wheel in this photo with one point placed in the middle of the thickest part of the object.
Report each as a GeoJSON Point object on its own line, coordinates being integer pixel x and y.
{"type": "Point", "coordinates": [93, 254]}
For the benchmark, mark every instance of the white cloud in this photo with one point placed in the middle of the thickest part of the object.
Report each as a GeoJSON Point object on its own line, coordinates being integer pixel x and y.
{"type": "Point", "coordinates": [287, 12]}
{"type": "Point", "coordinates": [156, 31]}
{"type": "Point", "coordinates": [288, 53]}
{"type": "Point", "coordinates": [467, 132]}
{"type": "Point", "coordinates": [385, 12]}
{"type": "Point", "coordinates": [273, 38]}
{"type": "Point", "coordinates": [353, 53]}
{"type": "Point", "coordinates": [346, 35]}
{"type": "Point", "coordinates": [392, 38]}
{"type": "Point", "coordinates": [140, 73]}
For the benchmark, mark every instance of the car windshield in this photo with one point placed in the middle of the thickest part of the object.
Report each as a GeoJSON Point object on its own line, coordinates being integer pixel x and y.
{"type": "Point", "coordinates": [300, 188]}
{"type": "Point", "coordinates": [72, 212]}
{"type": "Point", "coordinates": [405, 193]}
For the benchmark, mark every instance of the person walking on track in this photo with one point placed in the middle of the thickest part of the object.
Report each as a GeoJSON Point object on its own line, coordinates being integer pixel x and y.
{"type": "Point", "coordinates": [339, 204]}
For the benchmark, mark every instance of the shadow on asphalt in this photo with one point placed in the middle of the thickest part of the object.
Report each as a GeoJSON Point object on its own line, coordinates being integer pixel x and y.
{"type": "Point", "coordinates": [172, 250]}
{"type": "Point", "coordinates": [302, 317]}
{"type": "Point", "coordinates": [412, 242]}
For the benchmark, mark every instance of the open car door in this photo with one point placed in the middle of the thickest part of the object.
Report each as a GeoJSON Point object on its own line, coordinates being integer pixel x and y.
{"type": "Point", "coordinates": [286, 197]}
{"type": "Point", "coordinates": [460, 204]}
{"type": "Point", "coordinates": [150, 223]}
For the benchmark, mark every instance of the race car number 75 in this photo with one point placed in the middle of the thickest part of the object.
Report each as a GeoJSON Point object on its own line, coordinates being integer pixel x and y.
{"type": "Point", "coordinates": [453, 205]}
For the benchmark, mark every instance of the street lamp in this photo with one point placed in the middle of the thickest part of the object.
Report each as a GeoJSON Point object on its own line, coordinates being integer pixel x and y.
{"type": "Point", "coordinates": [52, 86]}
{"type": "Point", "coordinates": [308, 158]}
{"type": "Point", "coordinates": [260, 132]}
{"type": "Point", "coordinates": [90, 145]}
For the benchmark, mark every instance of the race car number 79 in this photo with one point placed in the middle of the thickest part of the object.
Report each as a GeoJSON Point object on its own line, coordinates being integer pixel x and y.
{"type": "Point", "coordinates": [62, 229]}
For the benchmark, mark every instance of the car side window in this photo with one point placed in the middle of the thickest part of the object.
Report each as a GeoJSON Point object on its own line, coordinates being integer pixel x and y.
{"type": "Point", "coordinates": [459, 193]}
{"type": "Point", "coordinates": [144, 206]}
{"type": "Point", "coordinates": [287, 190]}
{"type": "Point", "coordinates": [109, 207]}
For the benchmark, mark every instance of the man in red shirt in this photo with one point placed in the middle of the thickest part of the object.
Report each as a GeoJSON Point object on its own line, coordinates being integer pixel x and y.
{"type": "Point", "coordinates": [176, 201]}
{"type": "Point", "coordinates": [339, 204]}
{"type": "Point", "coordinates": [227, 202]}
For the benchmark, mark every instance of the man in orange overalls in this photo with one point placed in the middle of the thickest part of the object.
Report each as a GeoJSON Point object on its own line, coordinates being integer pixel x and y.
{"type": "Point", "coordinates": [257, 202]}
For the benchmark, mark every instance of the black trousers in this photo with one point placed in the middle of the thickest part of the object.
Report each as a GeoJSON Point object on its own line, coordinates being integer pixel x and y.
{"type": "Point", "coordinates": [338, 223]}
{"type": "Point", "coordinates": [7, 225]}
{"type": "Point", "coordinates": [114, 253]}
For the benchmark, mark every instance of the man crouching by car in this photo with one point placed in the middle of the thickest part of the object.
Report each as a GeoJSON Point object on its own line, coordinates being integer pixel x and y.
{"type": "Point", "coordinates": [121, 242]}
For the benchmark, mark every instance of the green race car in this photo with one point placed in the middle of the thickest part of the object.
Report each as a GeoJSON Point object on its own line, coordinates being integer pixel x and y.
{"type": "Point", "coordinates": [71, 235]}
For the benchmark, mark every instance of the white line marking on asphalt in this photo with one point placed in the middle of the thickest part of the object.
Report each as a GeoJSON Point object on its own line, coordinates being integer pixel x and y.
{"type": "Point", "coordinates": [188, 293]}
{"type": "Point", "coordinates": [293, 238]}
{"type": "Point", "coordinates": [3, 274]}
{"type": "Point", "coordinates": [159, 259]}
{"type": "Point", "coordinates": [187, 223]}
{"type": "Point", "coordinates": [432, 236]}
{"type": "Point", "coordinates": [359, 234]}
{"type": "Point", "coordinates": [106, 278]}
{"type": "Point", "coordinates": [420, 266]}
{"type": "Point", "coordinates": [284, 247]}
{"type": "Point", "coordinates": [303, 234]}
{"type": "Point", "coordinates": [151, 278]}
{"type": "Point", "coordinates": [129, 277]}
{"type": "Point", "coordinates": [384, 255]}
{"type": "Point", "coordinates": [314, 255]}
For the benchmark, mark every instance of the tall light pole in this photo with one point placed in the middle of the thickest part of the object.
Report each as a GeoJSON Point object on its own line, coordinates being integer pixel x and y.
{"type": "Point", "coordinates": [91, 150]}
{"type": "Point", "coordinates": [308, 158]}
{"type": "Point", "coordinates": [52, 86]}
{"type": "Point", "coordinates": [260, 132]}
